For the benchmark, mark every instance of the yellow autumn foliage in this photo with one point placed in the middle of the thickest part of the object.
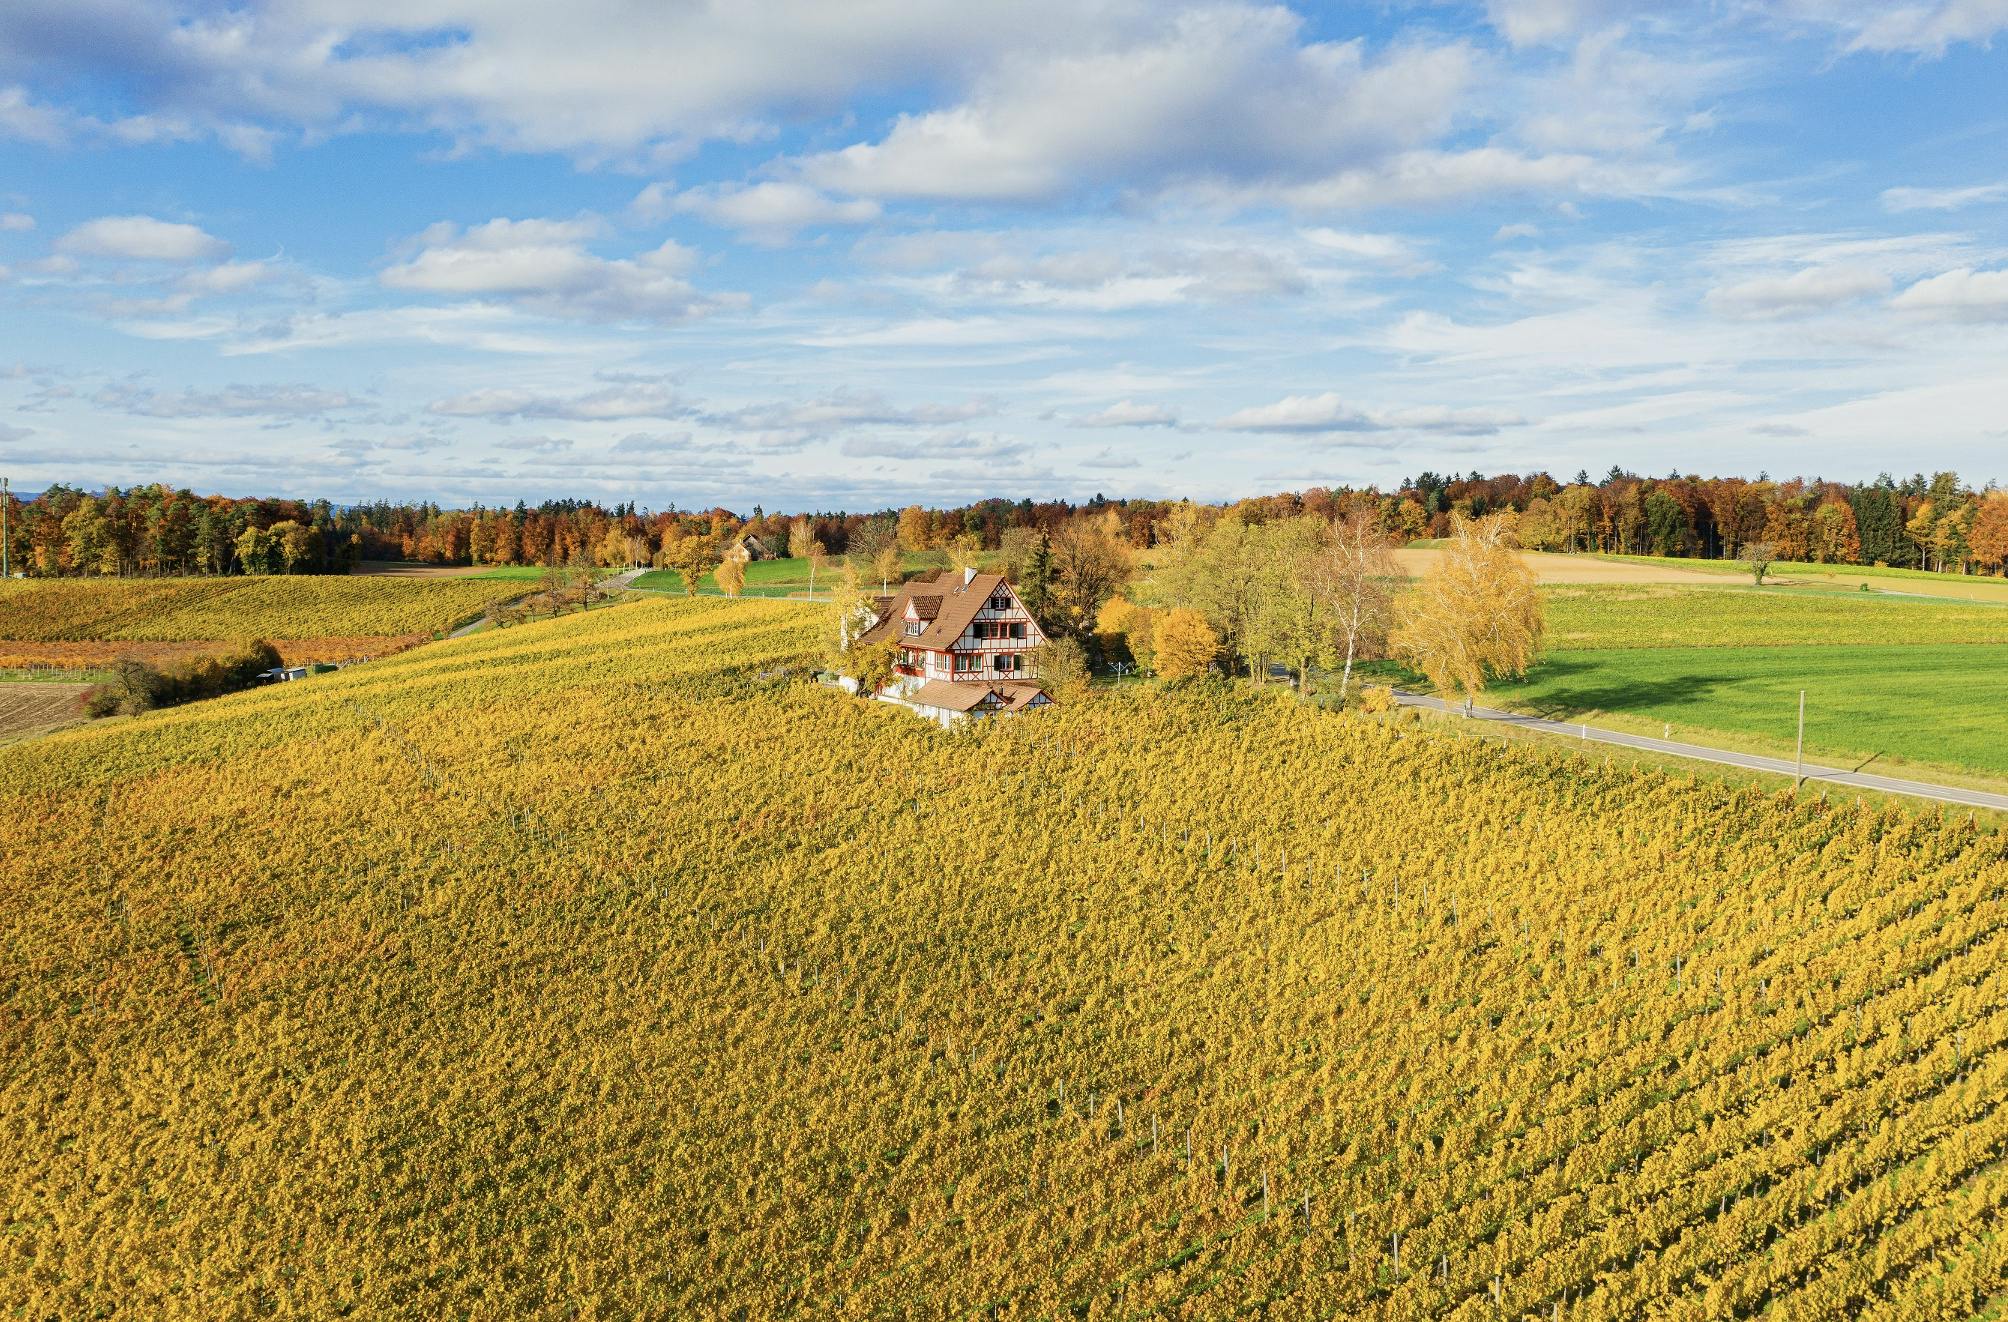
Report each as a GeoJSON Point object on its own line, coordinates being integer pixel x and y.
{"type": "Point", "coordinates": [593, 968]}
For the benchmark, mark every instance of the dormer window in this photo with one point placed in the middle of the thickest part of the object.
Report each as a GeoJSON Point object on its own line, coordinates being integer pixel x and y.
{"type": "Point", "coordinates": [914, 628]}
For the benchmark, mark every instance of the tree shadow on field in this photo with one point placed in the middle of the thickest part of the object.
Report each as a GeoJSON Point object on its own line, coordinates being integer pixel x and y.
{"type": "Point", "coordinates": [1599, 691]}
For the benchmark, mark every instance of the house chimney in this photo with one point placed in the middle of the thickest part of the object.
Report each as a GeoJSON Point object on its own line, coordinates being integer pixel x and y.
{"type": "Point", "coordinates": [968, 574]}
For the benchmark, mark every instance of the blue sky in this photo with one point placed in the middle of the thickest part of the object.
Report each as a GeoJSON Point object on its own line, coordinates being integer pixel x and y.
{"type": "Point", "coordinates": [813, 255]}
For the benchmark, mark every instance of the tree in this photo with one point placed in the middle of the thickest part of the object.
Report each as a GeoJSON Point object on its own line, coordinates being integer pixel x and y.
{"type": "Point", "coordinates": [1124, 625]}
{"type": "Point", "coordinates": [1921, 531]}
{"type": "Point", "coordinates": [1035, 588]}
{"type": "Point", "coordinates": [1476, 614]}
{"type": "Point", "coordinates": [1091, 560]}
{"type": "Point", "coordinates": [1989, 539]}
{"type": "Point", "coordinates": [874, 549]}
{"type": "Point", "coordinates": [690, 555]}
{"type": "Point", "coordinates": [801, 536]}
{"type": "Point", "coordinates": [1061, 668]}
{"type": "Point", "coordinates": [964, 550]}
{"type": "Point", "coordinates": [254, 551]}
{"type": "Point", "coordinates": [872, 666]}
{"type": "Point", "coordinates": [291, 543]}
{"type": "Point", "coordinates": [731, 572]}
{"type": "Point", "coordinates": [1354, 576]}
{"type": "Point", "coordinates": [1185, 644]}
{"type": "Point", "coordinates": [1758, 558]}
{"type": "Point", "coordinates": [914, 529]}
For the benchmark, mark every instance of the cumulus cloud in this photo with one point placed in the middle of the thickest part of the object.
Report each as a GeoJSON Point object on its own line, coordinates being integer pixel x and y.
{"type": "Point", "coordinates": [16, 222]}
{"type": "Point", "coordinates": [595, 77]}
{"type": "Point", "coordinates": [625, 399]}
{"type": "Point", "coordinates": [1128, 413]}
{"type": "Point", "coordinates": [1328, 413]}
{"type": "Point", "coordinates": [237, 401]}
{"type": "Point", "coordinates": [141, 238]}
{"type": "Point", "coordinates": [1225, 92]}
{"type": "Point", "coordinates": [544, 266]}
{"type": "Point", "coordinates": [770, 212]}
{"type": "Point", "coordinates": [1810, 290]}
{"type": "Point", "coordinates": [1962, 295]}
{"type": "Point", "coordinates": [1539, 22]}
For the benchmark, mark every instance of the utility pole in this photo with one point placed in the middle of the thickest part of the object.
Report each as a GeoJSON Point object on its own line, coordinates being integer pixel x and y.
{"type": "Point", "coordinates": [1800, 757]}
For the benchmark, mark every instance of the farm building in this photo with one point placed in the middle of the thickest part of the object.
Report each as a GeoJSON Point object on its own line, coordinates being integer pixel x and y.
{"type": "Point", "coordinates": [964, 642]}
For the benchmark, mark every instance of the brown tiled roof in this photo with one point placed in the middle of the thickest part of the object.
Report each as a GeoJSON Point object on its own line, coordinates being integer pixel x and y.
{"type": "Point", "coordinates": [955, 606]}
{"type": "Point", "coordinates": [952, 695]}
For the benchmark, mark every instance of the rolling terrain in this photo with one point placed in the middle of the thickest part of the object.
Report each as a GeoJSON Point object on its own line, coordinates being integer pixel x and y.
{"type": "Point", "coordinates": [592, 967]}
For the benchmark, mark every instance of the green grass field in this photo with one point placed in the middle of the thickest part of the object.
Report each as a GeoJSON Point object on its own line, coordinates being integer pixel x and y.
{"type": "Point", "coordinates": [783, 577]}
{"type": "Point", "coordinates": [1924, 706]}
{"type": "Point", "coordinates": [1915, 683]}
{"type": "Point", "coordinates": [1660, 615]}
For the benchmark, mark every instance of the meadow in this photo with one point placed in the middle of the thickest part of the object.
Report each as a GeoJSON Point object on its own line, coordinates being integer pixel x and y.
{"type": "Point", "coordinates": [1912, 683]}
{"type": "Point", "coordinates": [784, 576]}
{"type": "Point", "coordinates": [588, 968]}
{"type": "Point", "coordinates": [1586, 617]}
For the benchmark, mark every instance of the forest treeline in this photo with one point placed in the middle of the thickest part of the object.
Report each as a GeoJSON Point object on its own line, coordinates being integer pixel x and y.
{"type": "Point", "coordinates": [1938, 522]}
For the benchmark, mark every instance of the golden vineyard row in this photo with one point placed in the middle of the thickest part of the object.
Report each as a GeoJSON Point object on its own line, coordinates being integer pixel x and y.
{"type": "Point", "coordinates": [593, 969]}
{"type": "Point", "coordinates": [56, 610]}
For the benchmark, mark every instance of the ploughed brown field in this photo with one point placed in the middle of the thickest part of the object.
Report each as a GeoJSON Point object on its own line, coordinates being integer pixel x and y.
{"type": "Point", "coordinates": [32, 708]}
{"type": "Point", "coordinates": [1550, 568]}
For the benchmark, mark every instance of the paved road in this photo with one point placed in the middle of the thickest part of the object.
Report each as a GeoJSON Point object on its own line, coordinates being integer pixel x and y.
{"type": "Point", "coordinates": [1701, 752]}
{"type": "Point", "coordinates": [614, 584]}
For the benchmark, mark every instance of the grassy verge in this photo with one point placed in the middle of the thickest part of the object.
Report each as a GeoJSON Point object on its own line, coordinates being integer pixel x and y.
{"type": "Point", "coordinates": [1535, 743]}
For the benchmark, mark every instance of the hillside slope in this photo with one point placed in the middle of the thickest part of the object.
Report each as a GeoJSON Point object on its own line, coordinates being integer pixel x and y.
{"type": "Point", "coordinates": [579, 970]}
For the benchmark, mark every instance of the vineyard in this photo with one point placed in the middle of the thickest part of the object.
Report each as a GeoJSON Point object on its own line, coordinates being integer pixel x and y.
{"type": "Point", "coordinates": [594, 968]}
{"type": "Point", "coordinates": [170, 610]}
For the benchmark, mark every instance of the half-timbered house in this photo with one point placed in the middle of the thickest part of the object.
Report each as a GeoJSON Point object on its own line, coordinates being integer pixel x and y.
{"type": "Point", "coordinates": [965, 646]}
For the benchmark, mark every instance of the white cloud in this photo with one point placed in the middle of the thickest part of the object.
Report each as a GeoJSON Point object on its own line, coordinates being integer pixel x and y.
{"type": "Point", "coordinates": [237, 401]}
{"type": "Point", "coordinates": [1328, 412]}
{"type": "Point", "coordinates": [1538, 22]}
{"type": "Point", "coordinates": [141, 238]}
{"type": "Point", "coordinates": [846, 408]}
{"type": "Point", "coordinates": [24, 121]}
{"type": "Point", "coordinates": [770, 212]}
{"type": "Point", "coordinates": [987, 447]}
{"type": "Point", "coordinates": [16, 222]}
{"type": "Point", "coordinates": [8, 433]}
{"type": "Point", "coordinates": [1924, 27]}
{"type": "Point", "coordinates": [227, 278]}
{"type": "Point", "coordinates": [1962, 295]}
{"type": "Point", "coordinates": [1128, 413]}
{"type": "Point", "coordinates": [1813, 289]}
{"type": "Point", "coordinates": [1430, 177]}
{"type": "Point", "coordinates": [1221, 93]}
{"type": "Point", "coordinates": [545, 267]}
{"type": "Point", "coordinates": [628, 399]}
{"type": "Point", "coordinates": [1940, 199]}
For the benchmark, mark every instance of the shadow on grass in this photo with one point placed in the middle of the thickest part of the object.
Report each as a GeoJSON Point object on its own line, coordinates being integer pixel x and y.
{"type": "Point", "coordinates": [1559, 696]}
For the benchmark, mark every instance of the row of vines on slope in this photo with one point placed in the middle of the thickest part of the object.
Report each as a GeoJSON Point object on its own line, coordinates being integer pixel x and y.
{"type": "Point", "coordinates": [593, 968]}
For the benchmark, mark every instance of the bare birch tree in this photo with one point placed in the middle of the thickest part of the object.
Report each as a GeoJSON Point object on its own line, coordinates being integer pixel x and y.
{"type": "Point", "coordinates": [1354, 576]}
